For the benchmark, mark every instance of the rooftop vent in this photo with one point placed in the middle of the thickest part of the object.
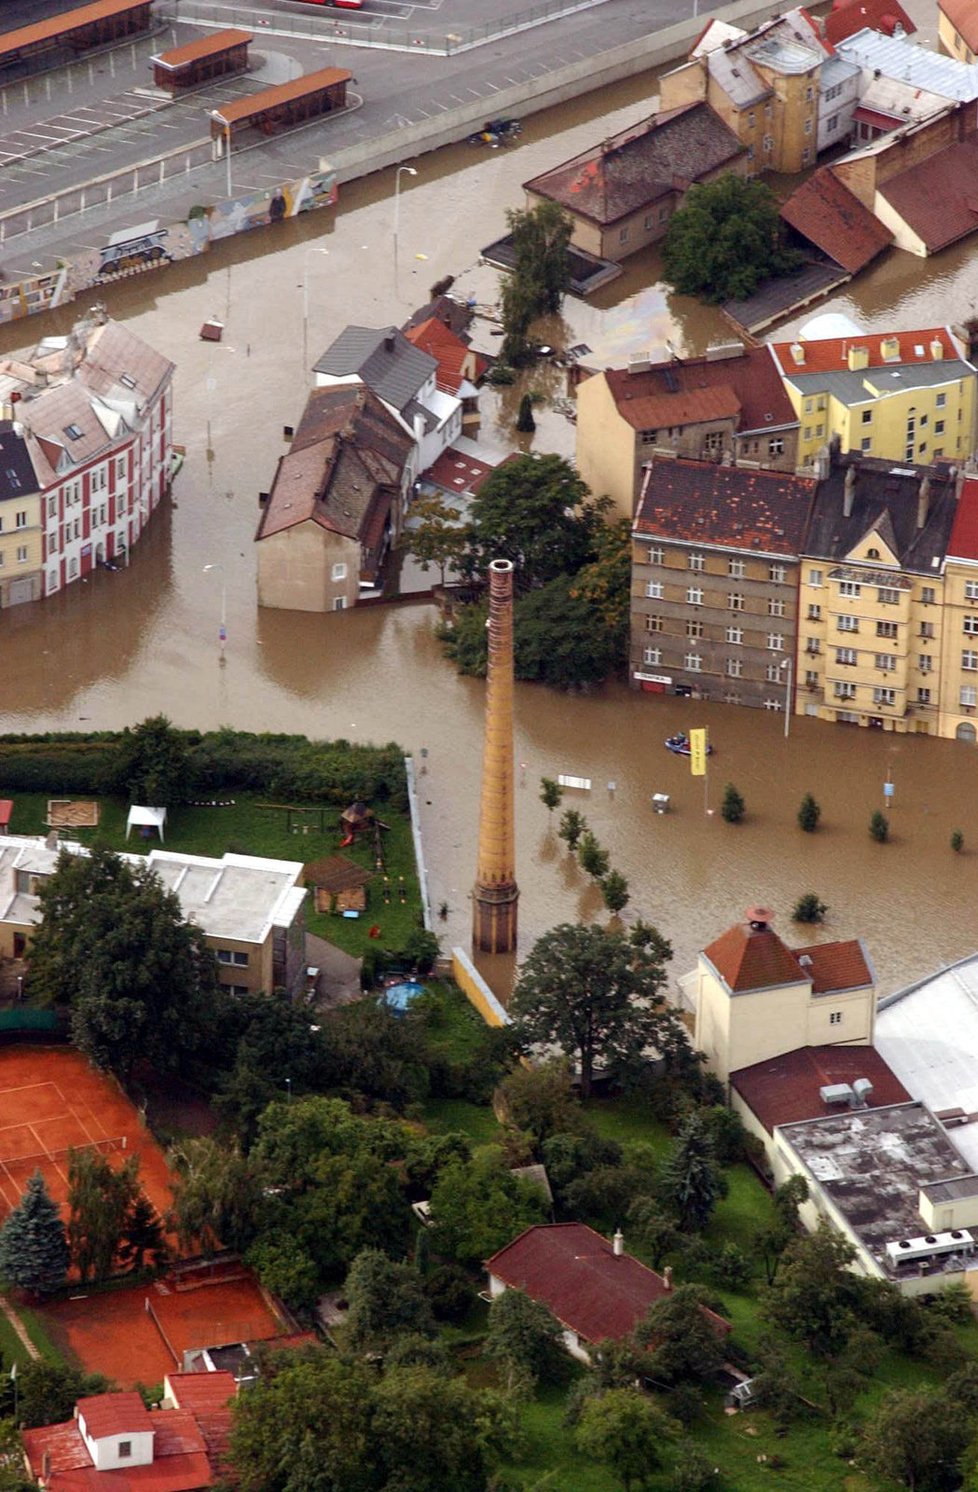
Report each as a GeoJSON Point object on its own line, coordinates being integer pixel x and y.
{"type": "Point", "coordinates": [806, 960]}
{"type": "Point", "coordinates": [931, 1246]}
{"type": "Point", "coordinates": [836, 1093]}
{"type": "Point", "coordinates": [863, 1091]}
{"type": "Point", "coordinates": [759, 917]}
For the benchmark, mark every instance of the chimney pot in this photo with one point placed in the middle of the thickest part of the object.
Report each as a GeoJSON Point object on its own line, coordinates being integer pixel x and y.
{"type": "Point", "coordinates": [849, 492]}
{"type": "Point", "coordinates": [618, 1244]}
{"type": "Point", "coordinates": [923, 500]}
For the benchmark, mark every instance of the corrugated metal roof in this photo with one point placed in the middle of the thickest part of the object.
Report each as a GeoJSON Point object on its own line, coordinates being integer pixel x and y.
{"type": "Point", "coordinates": [896, 57]}
{"type": "Point", "coordinates": [205, 46]}
{"type": "Point", "coordinates": [283, 93]}
{"type": "Point", "coordinates": [56, 27]}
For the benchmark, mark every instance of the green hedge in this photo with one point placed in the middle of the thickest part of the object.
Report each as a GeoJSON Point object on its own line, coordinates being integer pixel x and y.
{"type": "Point", "coordinates": [282, 767]}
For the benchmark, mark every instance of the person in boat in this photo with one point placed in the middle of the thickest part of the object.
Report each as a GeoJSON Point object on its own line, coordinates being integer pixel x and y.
{"type": "Point", "coordinates": [678, 740]}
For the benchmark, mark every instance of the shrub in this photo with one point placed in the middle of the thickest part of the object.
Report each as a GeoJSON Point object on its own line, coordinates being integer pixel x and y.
{"type": "Point", "coordinates": [808, 908]}
{"type": "Point", "coordinates": [957, 841]}
{"type": "Point", "coordinates": [733, 807]}
{"type": "Point", "coordinates": [525, 422]}
{"type": "Point", "coordinates": [879, 827]}
{"type": "Point", "coordinates": [809, 814]}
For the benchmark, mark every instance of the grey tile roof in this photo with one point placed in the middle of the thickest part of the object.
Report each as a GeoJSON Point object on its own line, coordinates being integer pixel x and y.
{"type": "Point", "coordinates": [883, 491]}
{"type": "Point", "coordinates": [17, 476]}
{"type": "Point", "coordinates": [383, 358]}
{"type": "Point", "coordinates": [850, 387]}
{"type": "Point", "coordinates": [735, 75]}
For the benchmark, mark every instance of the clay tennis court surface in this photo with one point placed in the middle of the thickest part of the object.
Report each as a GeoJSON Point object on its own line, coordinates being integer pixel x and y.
{"type": "Point", "coordinates": [51, 1100]}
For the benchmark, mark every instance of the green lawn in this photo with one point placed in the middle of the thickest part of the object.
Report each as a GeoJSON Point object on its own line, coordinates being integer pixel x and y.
{"type": "Point", "coordinates": [454, 1029]}
{"type": "Point", "coordinates": [246, 829]}
{"type": "Point", "coordinates": [12, 1348]}
{"type": "Point", "coordinates": [457, 1116]}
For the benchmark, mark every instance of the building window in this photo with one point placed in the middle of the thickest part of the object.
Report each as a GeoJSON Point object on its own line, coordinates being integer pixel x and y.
{"type": "Point", "coordinates": [886, 662]}
{"type": "Point", "coordinates": [768, 142]}
{"type": "Point", "coordinates": [809, 405]}
{"type": "Point", "coordinates": [968, 697]}
{"type": "Point", "coordinates": [927, 629]}
{"type": "Point", "coordinates": [778, 574]}
{"type": "Point", "coordinates": [751, 119]}
{"type": "Point", "coordinates": [98, 479]}
{"type": "Point", "coordinates": [694, 595]}
{"type": "Point", "coordinates": [806, 155]}
{"type": "Point", "coordinates": [971, 626]}
{"type": "Point", "coordinates": [241, 959]}
{"type": "Point", "coordinates": [835, 1018]}
{"type": "Point", "coordinates": [696, 562]}
{"type": "Point", "coordinates": [814, 613]}
{"type": "Point", "coordinates": [969, 658]}
{"type": "Point", "coordinates": [938, 427]}
{"type": "Point", "coordinates": [928, 595]}
{"type": "Point", "coordinates": [971, 590]}
{"type": "Point", "coordinates": [808, 432]}
{"type": "Point", "coordinates": [125, 1449]}
{"type": "Point", "coordinates": [844, 691]}
{"type": "Point", "coordinates": [847, 656]}
{"type": "Point", "coordinates": [867, 416]}
{"type": "Point", "coordinates": [811, 678]}
{"type": "Point", "coordinates": [653, 589]}
{"type": "Point", "coordinates": [850, 588]}
{"type": "Point", "coordinates": [775, 641]}
{"type": "Point", "coordinates": [735, 601]}
{"type": "Point", "coordinates": [652, 655]}
{"type": "Point", "coordinates": [653, 624]}
{"type": "Point", "coordinates": [848, 624]}
{"type": "Point", "coordinates": [941, 401]}
{"type": "Point", "coordinates": [735, 569]}
{"type": "Point", "coordinates": [808, 126]}
{"type": "Point", "coordinates": [923, 696]}
{"type": "Point", "coordinates": [655, 555]}
{"type": "Point", "coordinates": [694, 629]}
{"type": "Point", "coordinates": [735, 668]}
{"type": "Point", "coordinates": [832, 123]}
{"type": "Point", "coordinates": [735, 635]}
{"type": "Point", "coordinates": [692, 662]}
{"type": "Point", "coordinates": [22, 554]}
{"type": "Point", "coordinates": [623, 235]}
{"type": "Point", "coordinates": [884, 696]}
{"type": "Point", "coordinates": [649, 438]}
{"type": "Point", "coordinates": [925, 662]}
{"type": "Point", "coordinates": [814, 577]}
{"type": "Point", "coordinates": [224, 955]}
{"type": "Point", "coordinates": [775, 607]}
{"type": "Point", "coordinates": [21, 520]}
{"type": "Point", "coordinates": [886, 629]}
{"type": "Point", "coordinates": [339, 570]}
{"type": "Point", "coordinates": [775, 446]}
{"type": "Point", "coordinates": [813, 647]}
{"type": "Point", "coordinates": [339, 603]}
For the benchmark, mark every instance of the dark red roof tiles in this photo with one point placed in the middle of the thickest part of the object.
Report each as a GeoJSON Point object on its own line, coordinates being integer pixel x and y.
{"type": "Point", "coordinates": [849, 16]}
{"type": "Point", "coordinates": [751, 959]}
{"type": "Point", "coordinates": [750, 378]}
{"type": "Point", "coordinates": [829, 216]}
{"type": "Point", "coordinates": [785, 1089]}
{"type": "Point", "coordinates": [836, 966]}
{"type": "Point", "coordinates": [700, 501]}
{"type": "Point", "coordinates": [963, 543]}
{"type": "Point", "coordinates": [938, 198]}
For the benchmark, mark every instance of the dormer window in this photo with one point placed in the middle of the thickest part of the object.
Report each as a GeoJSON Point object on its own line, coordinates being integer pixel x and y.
{"type": "Point", "coordinates": [127, 380]}
{"type": "Point", "coordinates": [872, 554]}
{"type": "Point", "coordinates": [73, 432]}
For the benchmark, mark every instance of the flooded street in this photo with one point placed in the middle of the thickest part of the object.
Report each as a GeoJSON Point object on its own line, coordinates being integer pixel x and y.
{"type": "Point", "coordinates": [129, 644]}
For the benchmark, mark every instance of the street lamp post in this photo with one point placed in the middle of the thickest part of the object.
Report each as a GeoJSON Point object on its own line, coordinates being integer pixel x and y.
{"type": "Point", "coordinates": [315, 249]}
{"type": "Point", "coordinates": [397, 210]}
{"type": "Point", "coordinates": [223, 633]}
{"type": "Point", "coordinates": [788, 664]}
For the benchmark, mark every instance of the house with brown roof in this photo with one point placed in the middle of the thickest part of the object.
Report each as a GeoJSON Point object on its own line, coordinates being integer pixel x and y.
{"type": "Point", "coordinates": [756, 999]}
{"type": "Point", "coordinates": [715, 580]}
{"type": "Point", "coordinates": [957, 27]}
{"type": "Point", "coordinates": [723, 406]}
{"type": "Point", "coordinates": [828, 217]}
{"type": "Point", "coordinates": [622, 195]}
{"type": "Point", "coordinates": [337, 501]}
{"type": "Point", "coordinates": [460, 368]}
{"type": "Point", "coordinates": [114, 1443]}
{"type": "Point", "coordinates": [597, 1292]}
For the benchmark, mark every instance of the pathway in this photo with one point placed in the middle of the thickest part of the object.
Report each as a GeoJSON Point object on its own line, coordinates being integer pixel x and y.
{"type": "Point", "coordinates": [18, 1327]}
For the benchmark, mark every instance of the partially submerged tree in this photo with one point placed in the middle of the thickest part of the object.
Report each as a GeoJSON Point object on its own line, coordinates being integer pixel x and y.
{"type": "Point", "coordinates": [436, 536]}
{"type": "Point", "coordinates": [725, 239]}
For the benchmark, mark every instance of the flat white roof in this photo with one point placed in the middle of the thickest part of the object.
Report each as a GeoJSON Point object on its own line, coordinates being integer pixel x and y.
{"type": "Point", "coordinates": [928, 1035]}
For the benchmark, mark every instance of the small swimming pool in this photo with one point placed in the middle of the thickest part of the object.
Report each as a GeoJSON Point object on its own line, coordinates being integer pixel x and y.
{"type": "Point", "coordinates": [400, 996]}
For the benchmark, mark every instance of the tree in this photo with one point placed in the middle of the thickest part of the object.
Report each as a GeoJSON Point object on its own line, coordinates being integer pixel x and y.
{"type": "Point", "coordinates": [113, 945]}
{"type": "Point", "coordinates": [596, 997]}
{"type": "Point", "coordinates": [809, 908]}
{"type": "Point", "coordinates": [386, 1299]}
{"type": "Point", "coordinates": [813, 1293]}
{"type": "Point", "coordinates": [539, 1100]}
{"type": "Point", "coordinates": [957, 841]}
{"type": "Point", "coordinates": [48, 1391]}
{"type": "Point", "coordinates": [142, 1235]}
{"type": "Point", "coordinates": [525, 422]}
{"type": "Point", "coordinates": [436, 535]}
{"type": "Point", "coordinates": [550, 793]}
{"type": "Point", "coordinates": [524, 1340]}
{"type": "Point", "coordinates": [653, 1227]}
{"type": "Point", "coordinates": [681, 1340]}
{"type": "Point", "coordinates": [917, 1438]}
{"type": "Point", "coordinates": [623, 1429]}
{"type": "Point", "coordinates": [692, 1183]}
{"type": "Point", "coordinates": [725, 239]}
{"type": "Point", "coordinates": [772, 1241]}
{"type": "Point", "coordinates": [614, 892]}
{"type": "Point", "coordinates": [592, 858]}
{"type": "Point", "coordinates": [572, 826]}
{"type": "Point", "coordinates": [101, 1199]}
{"type": "Point", "coordinates": [435, 1434]}
{"type": "Point", "coordinates": [879, 827]}
{"type": "Point", "coordinates": [733, 807]}
{"type": "Point", "coordinates": [605, 582]}
{"type": "Point", "coordinates": [151, 764]}
{"type": "Point", "coordinates": [692, 1470]}
{"type": "Point", "coordinates": [216, 1195]}
{"type": "Point", "coordinates": [541, 236]}
{"type": "Point", "coordinates": [13, 1477]}
{"type": "Point", "coordinates": [33, 1248]}
{"type": "Point", "coordinates": [478, 1205]}
{"type": "Point", "coordinates": [809, 814]}
{"type": "Point", "coordinates": [284, 1267]}
{"type": "Point", "coordinates": [535, 512]}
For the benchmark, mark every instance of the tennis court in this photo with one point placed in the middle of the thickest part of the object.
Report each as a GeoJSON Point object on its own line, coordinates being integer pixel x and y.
{"type": "Point", "coordinates": [51, 1101]}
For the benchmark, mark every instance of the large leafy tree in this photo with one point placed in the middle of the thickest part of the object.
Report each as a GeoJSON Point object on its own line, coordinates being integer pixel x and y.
{"type": "Point", "coordinates": [217, 1196]}
{"type": "Point", "coordinates": [436, 536]}
{"type": "Point", "coordinates": [33, 1248]}
{"type": "Point", "coordinates": [535, 512]}
{"type": "Point", "coordinates": [48, 1391]}
{"type": "Point", "coordinates": [140, 981]}
{"type": "Point", "coordinates": [151, 763]}
{"type": "Point", "coordinates": [917, 1438]}
{"type": "Point", "coordinates": [434, 1435]}
{"type": "Point", "coordinates": [596, 995]}
{"type": "Point", "coordinates": [682, 1344]}
{"type": "Point", "coordinates": [386, 1299]}
{"type": "Point", "coordinates": [541, 272]}
{"type": "Point", "coordinates": [725, 239]}
{"type": "Point", "coordinates": [626, 1431]}
{"type": "Point", "coordinates": [692, 1182]}
{"type": "Point", "coordinates": [814, 1297]}
{"type": "Point", "coordinates": [478, 1205]}
{"type": "Point", "coordinates": [524, 1339]}
{"type": "Point", "coordinates": [101, 1200]}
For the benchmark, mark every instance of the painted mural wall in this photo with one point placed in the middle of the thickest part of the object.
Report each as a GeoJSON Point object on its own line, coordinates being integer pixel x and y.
{"type": "Point", "coordinates": [152, 245]}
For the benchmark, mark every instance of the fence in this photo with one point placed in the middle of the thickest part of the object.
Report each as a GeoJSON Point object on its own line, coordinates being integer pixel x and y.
{"type": "Point", "coordinates": [476, 990]}
{"type": "Point", "coordinates": [29, 1020]}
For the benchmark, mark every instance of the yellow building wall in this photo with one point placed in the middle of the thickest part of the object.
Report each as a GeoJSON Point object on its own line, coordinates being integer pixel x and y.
{"type": "Point", "coordinates": [295, 569]}
{"type": "Point", "coordinates": [793, 125]}
{"type": "Point", "coordinates": [257, 975]}
{"type": "Point", "coordinates": [944, 419]}
{"type": "Point", "coordinates": [958, 719]}
{"type": "Point", "coordinates": [605, 445]}
{"type": "Point", "coordinates": [684, 85]}
{"type": "Point", "coordinates": [28, 536]}
{"type": "Point", "coordinates": [951, 40]}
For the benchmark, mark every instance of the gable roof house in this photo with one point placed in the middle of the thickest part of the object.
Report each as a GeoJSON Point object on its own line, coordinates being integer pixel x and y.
{"type": "Point", "coordinates": [596, 1291]}
{"type": "Point", "coordinates": [405, 380]}
{"type": "Point", "coordinates": [460, 368]}
{"type": "Point", "coordinates": [622, 195]}
{"type": "Point", "coordinates": [826, 215]}
{"type": "Point", "coordinates": [726, 404]}
{"type": "Point", "coordinates": [336, 502]}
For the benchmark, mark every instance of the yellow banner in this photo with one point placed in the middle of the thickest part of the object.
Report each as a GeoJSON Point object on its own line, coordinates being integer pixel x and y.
{"type": "Point", "coordinates": [697, 753]}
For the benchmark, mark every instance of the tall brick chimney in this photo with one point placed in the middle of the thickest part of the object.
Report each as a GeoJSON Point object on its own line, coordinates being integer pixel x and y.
{"type": "Point", "coordinates": [496, 894]}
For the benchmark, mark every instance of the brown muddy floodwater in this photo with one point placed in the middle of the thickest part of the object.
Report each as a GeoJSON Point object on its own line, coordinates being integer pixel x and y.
{"type": "Point", "coordinates": [129, 644]}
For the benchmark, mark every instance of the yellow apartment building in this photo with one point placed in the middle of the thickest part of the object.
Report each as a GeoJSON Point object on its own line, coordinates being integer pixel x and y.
{"type": "Point", "coordinates": [21, 520]}
{"type": "Point", "coordinates": [958, 719]}
{"type": "Point", "coordinates": [870, 603]}
{"type": "Point", "coordinates": [900, 396]}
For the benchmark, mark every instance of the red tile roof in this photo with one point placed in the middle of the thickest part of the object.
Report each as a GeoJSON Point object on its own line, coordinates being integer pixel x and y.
{"type": "Point", "coordinates": [201, 1391]}
{"type": "Point", "coordinates": [785, 1089]}
{"type": "Point", "coordinates": [963, 16]}
{"type": "Point", "coordinates": [450, 353]}
{"type": "Point", "coordinates": [833, 967]}
{"type": "Point", "coordinates": [577, 1275]}
{"type": "Point", "coordinates": [179, 1463]}
{"type": "Point", "coordinates": [751, 378]}
{"type": "Point", "coordinates": [828, 355]}
{"type": "Point", "coordinates": [456, 473]}
{"type": "Point", "coordinates": [938, 199]}
{"type": "Point", "coordinates": [849, 16]}
{"type": "Point", "coordinates": [963, 543]}
{"type": "Point", "coordinates": [664, 154]}
{"type": "Point", "coordinates": [114, 1414]}
{"type": "Point", "coordinates": [740, 506]}
{"type": "Point", "coordinates": [829, 216]}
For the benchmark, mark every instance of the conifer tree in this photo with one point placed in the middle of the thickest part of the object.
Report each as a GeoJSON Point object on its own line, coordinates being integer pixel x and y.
{"type": "Point", "coordinates": [33, 1247]}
